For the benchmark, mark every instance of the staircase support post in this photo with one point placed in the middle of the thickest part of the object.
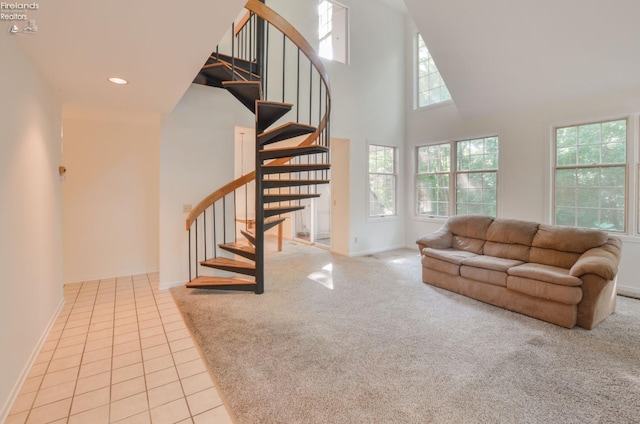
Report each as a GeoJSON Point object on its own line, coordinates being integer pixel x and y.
{"type": "Point", "coordinates": [259, 221]}
{"type": "Point", "coordinates": [259, 203]}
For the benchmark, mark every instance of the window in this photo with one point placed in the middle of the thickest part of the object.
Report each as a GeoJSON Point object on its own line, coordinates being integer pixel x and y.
{"type": "Point", "coordinates": [473, 180]}
{"type": "Point", "coordinates": [333, 31]}
{"type": "Point", "coordinates": [434, 167]}
{"type": "Point", "coordinates": [590, 175]}
{"type": "Point", "coordinates": [431, 86]}
{"type": "Point", "coordinates": [382, 181]}
{"type": "Point", "coordinates": [477, 176]}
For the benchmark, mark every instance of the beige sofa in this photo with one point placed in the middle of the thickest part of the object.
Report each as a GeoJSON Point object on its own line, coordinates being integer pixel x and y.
{"type": "Point", "coordinates": [565, 276]}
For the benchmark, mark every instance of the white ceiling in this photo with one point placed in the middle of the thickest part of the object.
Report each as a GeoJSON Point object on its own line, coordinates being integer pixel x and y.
{"type": "Point", "coordinates": [493, 54]}
{"type": "Point", "coordinates": [158, 46]}
{"type": "Point", "coordinates": [505, 54]}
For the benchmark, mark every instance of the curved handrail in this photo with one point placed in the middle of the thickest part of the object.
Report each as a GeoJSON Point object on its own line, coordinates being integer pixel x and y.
{"type": "Point", "coordinates": [265, 12]}
{"type": "Point", "coordinates": [217, 195]}
{"type": "Point", "coordinates": [269, 15]}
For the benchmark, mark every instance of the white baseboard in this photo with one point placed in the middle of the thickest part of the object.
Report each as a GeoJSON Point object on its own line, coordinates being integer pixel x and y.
{"type": "Point", "coordinates": [374, 251]}
{"type": "Point", "coordinates": [96, 277]}
{"type": "Point", "coordinates": [13, 395]}
{"type": "Point", "coordinates": [628, 291]}
{"type": "Point", "coordinates": [169, 285]}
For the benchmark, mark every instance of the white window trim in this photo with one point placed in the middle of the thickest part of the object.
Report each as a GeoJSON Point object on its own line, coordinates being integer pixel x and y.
{"type": "Point", "coordinates": [416, 85]}
{"type": "Point", "coordinates": [632, 164]}
{"type": "Point", "coordinates": [347, 35]}
{"type": "Point", "coordinates": [452, 179]}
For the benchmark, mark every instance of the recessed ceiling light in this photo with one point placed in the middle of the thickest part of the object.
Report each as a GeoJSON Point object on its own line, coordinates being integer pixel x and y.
{"type": "Point", "coordinates": [117, 80]}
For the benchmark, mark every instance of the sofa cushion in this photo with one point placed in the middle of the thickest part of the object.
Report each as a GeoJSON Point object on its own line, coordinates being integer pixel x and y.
{"type": "Point", "coordinates": [511, 239]}
{"type": "Point", "coordinates": [602, 261]}
{"type": "Point", "coordinates": [441, 239]}
{"type": "Point", "coordinates": [453, 256]}
{"type": "Point", "coordinates": [566, 239]}
{"type": "Point", "coordinates": [472, 226]}
{"type": "Point", "coordinates": [557, 293]}
{"type": "Point", "coordinates": [484, 275]}
{"type": "Point", "coordinates": [491, 262]}
{"type": "Point", "coordinates": [547, 273]}
{"type": "Point", "coordinates": [430, 264]}
{"type": "Point", "coordinates": [553, 257]}
{"type": "Point", "coordinates": [468, 244]}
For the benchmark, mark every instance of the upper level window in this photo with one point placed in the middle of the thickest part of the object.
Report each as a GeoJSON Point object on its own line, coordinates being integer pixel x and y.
{"type": "Point", "coordinates": [333, 31]}
{"type": "Point", "coordinates": [469, 170]}
{"type": "Point", "coordinates": [382, 180]}
{"type": "Point", "coordinates": [431, 86]}
{"type": "Point", "coordinates": [590, 175]}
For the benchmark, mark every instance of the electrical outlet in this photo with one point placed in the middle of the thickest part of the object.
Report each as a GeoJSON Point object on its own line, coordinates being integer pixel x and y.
{"type": "Point", "coordinates": [186, 208]}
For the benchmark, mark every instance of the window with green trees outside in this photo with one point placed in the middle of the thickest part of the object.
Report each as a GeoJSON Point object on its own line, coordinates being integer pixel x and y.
{"type": "Point", "coordinates": [590, 175]}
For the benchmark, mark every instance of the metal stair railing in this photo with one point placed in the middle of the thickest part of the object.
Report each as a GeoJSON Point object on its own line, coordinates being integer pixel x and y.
{"type": "Point", "coordinates": [290, 71]}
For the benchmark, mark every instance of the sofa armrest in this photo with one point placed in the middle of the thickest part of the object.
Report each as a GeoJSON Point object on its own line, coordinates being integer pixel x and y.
{"type": "Point", "coordinates": [602, 260]}
{"type": "Point", "coordinates": [441, 239]}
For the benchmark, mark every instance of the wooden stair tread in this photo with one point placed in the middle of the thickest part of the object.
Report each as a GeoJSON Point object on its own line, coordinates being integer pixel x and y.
{"type": "Point", "coordinates": [284, 132]}
{"type": "Point", "coordinates": [268, 212]}
{"type": "Point", "coordinates": [230, 265]}
{"type": "Point", "coordinates": [227, 262]}
{"type": "Point", "coordinates": [291, 183]}
{"type": "Point", "coordinates": [220, 282]}
{"type": "Point", "coordinates": [285, 152]}
{"type": "Point", "coordinates": [219, 72]}
{"type": "Point", "coordinates": [269, 112]}
{"type": "Point", "coordinates": [243, 64]}
{"type": "Point", "coordinates": [247, 92]}
{"type": "Point", "coordinates": [244, 250]}
{"type": "Point", "coordinates": [273, 198]}
{"type": "Point", "coordinates": [301, 167]}
{"type": "Point", "coordinates": [242, 68]}
{"type": "Point", "coordinates": [244, 247]}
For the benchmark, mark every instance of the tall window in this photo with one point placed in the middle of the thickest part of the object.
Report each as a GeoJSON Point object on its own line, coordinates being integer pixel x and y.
{"type": "Point", "coordinates": [431, 86]}
{"type": "Point", "coordinates": [472, 178]}
{"type": "Point", "coordinates": [382, 180]}
{"type": "Point", "coordinates": [333, 31]}
{"type": "Point", "coordinates": [434, 167]}
{"type": "Point", "coordinates": [590, 175]}
{"type": "Point", "coordinates": [477, 176]}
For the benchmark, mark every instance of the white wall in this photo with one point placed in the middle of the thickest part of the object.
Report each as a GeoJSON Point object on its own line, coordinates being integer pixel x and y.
{"type": "Point", "coordinates": [196, 158]}
{"type": "Point", "coordinates": [30, 216]}
{"type": "Point", "coordinates": [111, 196]}
{"type": "Point", "coordinates": [525, 152]}
{"type": "Point", "coordinates": [368, 105]}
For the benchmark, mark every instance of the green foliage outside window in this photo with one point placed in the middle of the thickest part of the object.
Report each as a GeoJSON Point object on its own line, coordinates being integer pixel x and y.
{"type": "Point", "coordinates": [382, 180]}
{"type": "Point", "coordinates": [475, 178]}
{"type": "Point", "coordinates": [590, 175]}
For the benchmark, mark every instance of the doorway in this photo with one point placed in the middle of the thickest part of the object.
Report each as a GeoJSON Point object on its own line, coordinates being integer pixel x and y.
{"type": "Point", "coordinates": [325, 220]}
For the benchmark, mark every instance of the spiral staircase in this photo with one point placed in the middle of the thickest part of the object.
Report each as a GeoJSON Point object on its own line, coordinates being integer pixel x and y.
{"type": "Point", "coordinates": [268, 66]}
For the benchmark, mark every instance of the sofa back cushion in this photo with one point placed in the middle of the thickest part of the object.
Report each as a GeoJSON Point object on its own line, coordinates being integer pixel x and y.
{"type": "Point", "coordinates": [510, 239]}
{"type": "Point", "coordinates": [469, 232]}
{"type": "Point", "coordinates": [562, 246]}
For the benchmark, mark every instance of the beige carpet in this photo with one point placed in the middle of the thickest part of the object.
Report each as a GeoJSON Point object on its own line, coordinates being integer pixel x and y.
{"type": "Point", "coordinates": [363, 340]}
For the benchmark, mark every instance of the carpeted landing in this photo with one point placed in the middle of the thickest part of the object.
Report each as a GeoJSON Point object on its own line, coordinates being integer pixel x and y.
{"type": "Point", "coordinates": [363, 340]}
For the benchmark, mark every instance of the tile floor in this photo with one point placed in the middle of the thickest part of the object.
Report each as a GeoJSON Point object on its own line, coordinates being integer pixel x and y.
{"type": "Point", "coordinates": [119, 352]}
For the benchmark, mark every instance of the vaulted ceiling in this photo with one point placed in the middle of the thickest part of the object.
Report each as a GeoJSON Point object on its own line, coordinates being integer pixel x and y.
{"type": "Point", "coordinates": [493, 54]}
{"type": "Point", "coordinates": [505, 54]}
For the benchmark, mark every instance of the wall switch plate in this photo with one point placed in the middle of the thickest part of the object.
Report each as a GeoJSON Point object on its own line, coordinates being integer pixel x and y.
{"type": "Point", "coordinates": [186, 208]}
